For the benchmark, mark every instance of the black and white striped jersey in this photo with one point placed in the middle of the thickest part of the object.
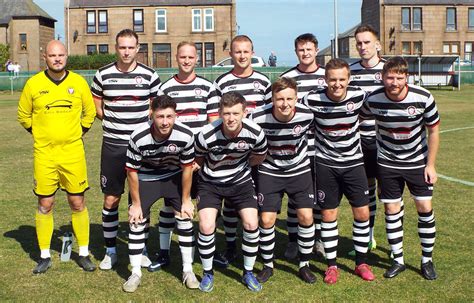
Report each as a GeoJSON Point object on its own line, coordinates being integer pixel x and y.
{"type": "Point", "coordinates": [337, 127]}
{"type": "Point", "coordinates": [226, 160]}
{"type": "Point", "coordinates": [126, 99]}
{"type": "Point", "coordinates": [256, 89]}
{"type": "Point", "coordinates": [306, 83]}
{"type": "Point", "coordinates": [192, 106]}
{"type": "Point", "coordinates": [401, 133]}
{"type": "Point", "coordinates": [158, 160]}
{"type": "Point", "coordinates": [287, 154]}
{"type": "Point", "coordinates": [369, 79]}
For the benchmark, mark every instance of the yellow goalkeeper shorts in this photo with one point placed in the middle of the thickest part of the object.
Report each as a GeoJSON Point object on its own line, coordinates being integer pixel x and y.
{"type": "Point", "coordinates": [60, 166]}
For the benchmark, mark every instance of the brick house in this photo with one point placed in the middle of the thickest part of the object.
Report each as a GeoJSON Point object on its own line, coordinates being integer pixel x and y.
{"type": "Point", "coordinates": [428, 27]}
{"type": "Point", "coordinates": [91, 26]}
{"type": "Point", "coordinates": [26, 28]}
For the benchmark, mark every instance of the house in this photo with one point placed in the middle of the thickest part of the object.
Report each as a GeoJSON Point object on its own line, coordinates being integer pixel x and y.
{"type": "Point", "coordinates": [428, 27]}
{"type": "Point", "coordinates": [91, 27]}
{"type": "Point", "coordinates": [26, 28]}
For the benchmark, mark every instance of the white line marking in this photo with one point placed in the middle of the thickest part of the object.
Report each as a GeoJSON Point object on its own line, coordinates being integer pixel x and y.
{"type": "Point", "coordinates": [455, 129]}
{"type": "Point", "coordinates": [456, 180]}
{"type": "Point", "coordinates": [468, 183]}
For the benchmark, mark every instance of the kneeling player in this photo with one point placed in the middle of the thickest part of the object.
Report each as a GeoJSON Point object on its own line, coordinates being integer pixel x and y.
{"type": "Point", "coordinates": [159, 165]}
{"type": "Point", "coordinates": [285, 170]}
{"type": "Point", "coordinates": [225, 150]}
{"type": "Point", "coordinates": [339, 165]}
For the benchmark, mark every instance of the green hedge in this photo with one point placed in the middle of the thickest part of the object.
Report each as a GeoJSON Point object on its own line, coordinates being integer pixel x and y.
{"type": "Point", "coordinates": [84, 62]}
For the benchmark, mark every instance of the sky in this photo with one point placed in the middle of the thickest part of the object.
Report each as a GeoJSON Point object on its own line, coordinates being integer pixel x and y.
{"type": "Point", "coordinates": [271, 24]}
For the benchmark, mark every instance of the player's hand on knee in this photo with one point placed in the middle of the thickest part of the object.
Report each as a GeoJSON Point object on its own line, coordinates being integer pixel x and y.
{"type": "Point", "coordinates": [135, 214]}
{"type": "Point", "coordinates": [187, 209]}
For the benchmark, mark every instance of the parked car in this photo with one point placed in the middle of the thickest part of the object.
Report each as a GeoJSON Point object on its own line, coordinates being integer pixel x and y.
{"type": "Point", "coordinates": [227, 62]}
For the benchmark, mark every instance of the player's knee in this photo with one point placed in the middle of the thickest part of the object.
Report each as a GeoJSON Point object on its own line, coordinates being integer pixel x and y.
{"type": "Point", "coordinates": [45, 209]}
{"type": "Point", "coordinates": [250, 225]}
{"type": "Point", "coordinates": [207, 228]}
{"type": "Point", "coordinates": [306, 220]}
{"type": "Point", "coordinates": [111, 201]}
{"type": "Point", "coordinates": [267, 221]}
{"type": "Point", "coordinates": [392, 208]}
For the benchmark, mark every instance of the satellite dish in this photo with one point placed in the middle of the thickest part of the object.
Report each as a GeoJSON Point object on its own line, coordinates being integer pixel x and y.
{"type": "Point", "coordinates": [75, 35]}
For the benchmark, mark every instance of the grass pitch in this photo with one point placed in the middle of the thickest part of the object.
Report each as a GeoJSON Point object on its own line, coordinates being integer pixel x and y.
{"type": "Point", "coordinates": [67, 282]}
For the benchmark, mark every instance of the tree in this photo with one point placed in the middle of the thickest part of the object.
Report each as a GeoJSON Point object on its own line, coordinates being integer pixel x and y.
{"type": "Point", "coordinates": [4, 55]}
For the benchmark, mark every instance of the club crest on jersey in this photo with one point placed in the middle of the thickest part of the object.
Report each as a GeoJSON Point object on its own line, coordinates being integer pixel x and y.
{"type": "Point", "coordinates": [411, 110]}
{"type": "Point", "coordinates": [138, 81]}
{"type": "Point", "coordinates": [70, 90]}
{"type": "Point", "coordinates": [297, 130]}
{"type": "Point", "coordinates": [321, 81]}
{"type": "Point", "coordinates": [350, 106]}
{"type": "Point", "coordinates": [321, 196]}
{"type": "Point", "coordinates": [378, 77]}
{"type": "Point", "coordinates": [198, 92]}
{"type": "Point", "coordinates": [172, 148]}
{"type": "Point", "coordinates": [242, 145]}
{"type": "Point", "coordinates": [256, 86]}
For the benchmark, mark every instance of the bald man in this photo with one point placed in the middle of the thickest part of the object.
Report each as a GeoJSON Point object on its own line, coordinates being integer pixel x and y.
{"type": "Point", "coordinates": [57, 109]}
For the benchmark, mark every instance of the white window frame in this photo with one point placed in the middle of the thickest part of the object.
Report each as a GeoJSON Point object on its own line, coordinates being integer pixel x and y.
{"type": "Point", "coordinates": [156, 20]}
{"type": "Point", "coordinates": [196, 13]}
{"type": "Point", "coordinates": [208, 12]}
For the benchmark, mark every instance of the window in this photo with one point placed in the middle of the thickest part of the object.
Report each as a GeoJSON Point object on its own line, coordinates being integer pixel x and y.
{"type": "Point", "coordinates": [23, 43]}
{"type": "Point", "coordinates": [103, 27]}
{"type": "Point", "coordinates": [161, 55]}
{"type": "Point", "coordinates": [417, 19]}
{"type": "Point", "coordinates": [471, 19]}
{"type": "Point", "coordinates": [203, 18]}
{"type": "Point", "coordinates": [208, 19]}
{"type": "Point", "coordinates": [199, 54]}
{"type": "Point", "coordinates": [91, 22]}
{"type": "Point", "coordinates": [103, 48]}
{"type": "Point", "coordinates": [468, 51]}
{"type": "Point", "coordinates": [417, 48]}
{"type": "Point", "coordinates": [451, 48]}
{"type": "Point", "coordinates": [412, 19]}
{"type": "Point", "coordinates": [209, 53]}
{"type": "Point", "coordinates": [451, 19]}
{"type": "Point", "coordinates": [142, 55]}
{"type": "Point", "coordinates": [138, 20]}
{"type": "Point", "coordinates": [160, 20]}
{"type": "Point", "coordinates": [91, 49]}
{"type": "Point", "coordinates": [406, 22]}
{"type": "Point", "coordinates": [406, 48]}
{"type": "Point", "coordinates": [197, 20]}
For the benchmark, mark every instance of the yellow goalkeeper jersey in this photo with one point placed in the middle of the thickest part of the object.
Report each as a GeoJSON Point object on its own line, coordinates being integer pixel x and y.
{"type": "Point", "coordinates": [56, 111]}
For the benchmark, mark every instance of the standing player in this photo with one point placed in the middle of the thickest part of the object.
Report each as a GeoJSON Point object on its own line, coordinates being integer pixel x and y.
{"type": "Point", "coordinates": [225, 150]}
{"type": "Point", "coordinates": [367, 74]}
{"type": "Point", "coordinates": [309, 76]}
{"type": "Point", "coordinates": [285, 171]}
{"type": "Point", "coordinates": [191, 94]}
{"type": "Point", "coordinates": [256, 89]}
{"type": "Point", "coordinates": [122, 92]}
{"type": "Point", "coordinates": [160, 156]}
{"type": "Point", "coordinates": [56, 107]}
{"type": "Point", "coordinates": [340, 166]}
{"type": "Point", "coordinates": [402, 114]}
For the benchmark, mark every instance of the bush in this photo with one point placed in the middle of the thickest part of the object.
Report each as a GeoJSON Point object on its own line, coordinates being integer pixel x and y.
{"type": "Point", "coordinates": [84, 62]}
{"type": "Point", "coordinates": [4, 55]}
